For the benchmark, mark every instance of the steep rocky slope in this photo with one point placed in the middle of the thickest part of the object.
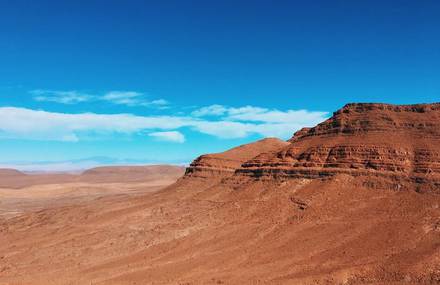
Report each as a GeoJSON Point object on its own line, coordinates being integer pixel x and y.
{"type": "Point", "coordinates": [399, 143]}
{"type": "Point", "coordinates": [220, 165]}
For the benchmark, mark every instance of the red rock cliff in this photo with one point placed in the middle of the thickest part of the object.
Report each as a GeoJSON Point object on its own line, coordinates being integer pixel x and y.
{"type": "Point", "coordinates": [398, 142]}
{"type": "Point", "coordinates": [220, 165]}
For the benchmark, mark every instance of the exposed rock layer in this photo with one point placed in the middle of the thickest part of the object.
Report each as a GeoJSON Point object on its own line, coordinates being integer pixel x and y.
{"type": "Point", "coordinates": [398, 142]}
{"type": "Point", "coordinates": [220, 165]}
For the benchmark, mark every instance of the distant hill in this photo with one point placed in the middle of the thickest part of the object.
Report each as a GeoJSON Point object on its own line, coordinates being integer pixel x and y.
{"type": "Point", "coordinates": [7, 172]}
{"type": "Point", "coordinates": [109, 174]}
{"type": "Point", "coordinates": [10, 178]}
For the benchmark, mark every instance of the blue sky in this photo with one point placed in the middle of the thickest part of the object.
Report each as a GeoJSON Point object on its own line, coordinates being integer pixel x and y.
{"type": "Point", "coordinates": [164, 81]}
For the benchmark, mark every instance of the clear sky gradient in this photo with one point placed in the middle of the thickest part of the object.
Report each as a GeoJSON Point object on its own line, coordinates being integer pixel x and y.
{"type": "Point", "coordinates": [84, 82]}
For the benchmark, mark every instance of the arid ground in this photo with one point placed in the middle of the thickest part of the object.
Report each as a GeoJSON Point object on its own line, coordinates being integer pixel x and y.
{"type": "Point", "coordinates": [354, 200]}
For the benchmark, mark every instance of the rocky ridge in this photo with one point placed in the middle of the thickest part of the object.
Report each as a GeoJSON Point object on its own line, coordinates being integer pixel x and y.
{"type": "Point", "coordinates": [400, 143]}
{"type": "Point", "coordinates": [221, 165]}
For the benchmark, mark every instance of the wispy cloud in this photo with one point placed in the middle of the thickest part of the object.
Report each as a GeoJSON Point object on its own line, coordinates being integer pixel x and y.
{"type": "Point", "coordinates": [131, 98]}
{"type": "Point", "coordinates": [170, 136]}
{"type": "Point", "coordinates": [258, 114]}
{"type": "Point", "coordinates": [213, 110]}
{"type": "Point", "coordinates": [62, 97]}
{"type": "Point", "coordinates": [31, 124]}
{"type": "Point", "coordinates": [35, 124]}
{"type": "Point", "coordinates": [127, 98]}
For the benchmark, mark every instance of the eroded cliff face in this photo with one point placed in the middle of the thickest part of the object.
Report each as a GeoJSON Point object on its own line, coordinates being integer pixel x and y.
{"type": "Point", "coordinates": [398, 143]}
{"type": "Point", "coordinates": [358, 118]}
{"type": "Point", "coordinates": [221, 165]}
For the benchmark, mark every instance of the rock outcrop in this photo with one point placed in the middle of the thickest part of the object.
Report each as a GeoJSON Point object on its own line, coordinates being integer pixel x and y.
{"type": "Point", "coordinates": [221, 165]}
{"type": "Point", "coordinates": [401, 143]}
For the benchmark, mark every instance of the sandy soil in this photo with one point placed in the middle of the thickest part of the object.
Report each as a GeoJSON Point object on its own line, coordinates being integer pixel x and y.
{"type": "Point", "coordinates": [21, 193]}
{"type": "Point", "coordinates": [297, 232]}
{"type": "Point", "coordinates": [14, 202]}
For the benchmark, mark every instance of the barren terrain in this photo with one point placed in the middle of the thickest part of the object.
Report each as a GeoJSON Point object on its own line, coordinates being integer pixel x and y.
{"type": "Point", "coordinates": [355, 200]}
{"type": "Point", "coordinates": [20, 192]}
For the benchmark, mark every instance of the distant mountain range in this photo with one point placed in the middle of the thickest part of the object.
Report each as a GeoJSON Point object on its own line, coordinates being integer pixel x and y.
{"type": "Point", "coordinates": [15, 179]}
{"type": "Point", "coordinates": [78, 165]}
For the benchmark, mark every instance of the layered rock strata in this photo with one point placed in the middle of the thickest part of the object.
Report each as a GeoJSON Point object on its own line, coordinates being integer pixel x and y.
{"type": "Point", "coordinates": [220, 165]}
{"type": "Point", "coordinates": [397, 142]}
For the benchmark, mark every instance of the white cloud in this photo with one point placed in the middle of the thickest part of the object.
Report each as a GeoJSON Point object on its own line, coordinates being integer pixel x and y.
{"type": "Point", "coordinates": [213, 110]}
{"type": "Point", "coordinates": [258, 114]}
{"type": "Point", "coordinates": [127, 98]}
{"type": "Point", "coordinates": [171, 136]}
{"type": "Point", "coordinates": [276, 116]}
{"type": "Point", "coordinates": [62, 97]}
{"type": "Point", "coordinates": [131, 98]}
{"type": "Point", "coordinates": [224, 129]}
{"type": "Point", "coordinates": [159, 102]}
{"type": "Point", "coordinates": [31, 124]}
{"type": "Point", "coordinates": [122, 97]}
{"type": "Point", "coordinates": [245, 110]}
